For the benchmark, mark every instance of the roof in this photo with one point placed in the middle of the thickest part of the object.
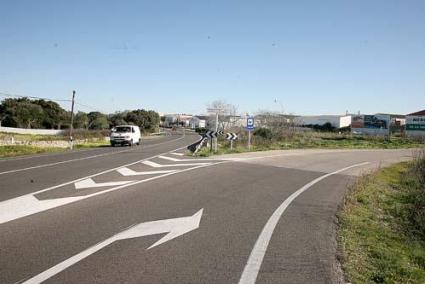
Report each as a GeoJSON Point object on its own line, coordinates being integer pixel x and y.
{"type": "Point", "coordinates": [393, 115]}
{"type": "Point", "coordinates": [422, 112]}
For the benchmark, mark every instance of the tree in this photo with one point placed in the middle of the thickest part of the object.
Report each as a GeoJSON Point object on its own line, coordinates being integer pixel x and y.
{"type": "Point", "coordinates": [54, 115]}
{"type": "Point", "coordinates": [81, 121]}
{"type": "Point", "coordinates": [226, 114]}
{"type": "Point", "coordinates": [117, 118]}
{"type": "Point", "coordinates": [146, 120]}
{"type": "Point", "coordinates": [97, 121]}
{"type": "Point", "coordinates": [29, 114]}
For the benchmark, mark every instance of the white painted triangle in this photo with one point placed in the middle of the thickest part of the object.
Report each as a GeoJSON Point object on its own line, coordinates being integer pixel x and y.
{"type": "Point", "coordinates": [90, 183]}
{"type": "Point", "coordinates": [156, 165]}
{"type": "Point", "coordinates": [130, 172]}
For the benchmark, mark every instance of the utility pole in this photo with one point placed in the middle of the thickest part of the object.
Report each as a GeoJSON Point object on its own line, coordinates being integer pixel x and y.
{"type": "Point", "coordinates": [216, 130]}
{"type": "Point", "coordinates": [71, 142]}
{"type": "Point", "coordinates": [217, 111]}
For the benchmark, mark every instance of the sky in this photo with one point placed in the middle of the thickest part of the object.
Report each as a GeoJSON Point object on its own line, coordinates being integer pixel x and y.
{"type": "Point", "coordinates": [301, 57]}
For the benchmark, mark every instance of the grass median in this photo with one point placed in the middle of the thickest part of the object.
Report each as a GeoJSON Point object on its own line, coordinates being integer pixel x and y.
{"type": "Point", "coordinates": [382, 226]}
{"type": "Point", "coordinates": [312, 140]}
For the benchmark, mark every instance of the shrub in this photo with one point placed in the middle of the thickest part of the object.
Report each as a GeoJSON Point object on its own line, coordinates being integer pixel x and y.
{"type": "Point", "coordinates": [264, 133]}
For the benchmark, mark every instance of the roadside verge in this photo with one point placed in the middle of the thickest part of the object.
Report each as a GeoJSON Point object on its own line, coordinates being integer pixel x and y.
{"type": "Point", "coordinates": [381, 233]}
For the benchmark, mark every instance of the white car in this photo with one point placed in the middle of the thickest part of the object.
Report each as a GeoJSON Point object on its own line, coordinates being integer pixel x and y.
{"type": "Point", "coordinates": [126, 135]}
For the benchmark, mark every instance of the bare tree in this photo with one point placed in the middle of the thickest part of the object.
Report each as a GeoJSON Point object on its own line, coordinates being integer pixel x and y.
{"type": "Point", "coordinates": [227, 114]}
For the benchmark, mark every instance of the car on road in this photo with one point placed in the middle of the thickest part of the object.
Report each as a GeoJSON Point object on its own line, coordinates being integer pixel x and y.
{"type": "Point", "coordinates": [125, 135]}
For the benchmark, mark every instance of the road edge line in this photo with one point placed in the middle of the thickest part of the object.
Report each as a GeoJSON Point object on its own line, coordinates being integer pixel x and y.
{"type": "Point", "coordinates": [253, 265]}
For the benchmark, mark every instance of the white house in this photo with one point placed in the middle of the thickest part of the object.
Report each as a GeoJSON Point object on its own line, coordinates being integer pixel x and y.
{"type": "Point", "coordinates": [197, 122]}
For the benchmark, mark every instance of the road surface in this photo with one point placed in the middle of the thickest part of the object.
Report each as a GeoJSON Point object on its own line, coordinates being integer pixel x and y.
{"type": "Point", "coordinates": [152, 215]}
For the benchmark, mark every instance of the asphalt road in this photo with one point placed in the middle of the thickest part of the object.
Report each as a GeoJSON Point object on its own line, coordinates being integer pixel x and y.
{"type": "Point", "coordinates": [151, 215]}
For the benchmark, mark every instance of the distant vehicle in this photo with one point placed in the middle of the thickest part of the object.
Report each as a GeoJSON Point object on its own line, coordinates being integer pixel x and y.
{"type": "Point", "coordinates": [126, 135]}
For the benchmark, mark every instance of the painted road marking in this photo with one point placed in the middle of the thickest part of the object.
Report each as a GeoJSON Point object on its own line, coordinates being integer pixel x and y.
{"type": "Point", "coordinates": [256, 257]}
{"type": "Point", "coordinates": [173, 227]}
{"type": "Point", "coordinates": [85, 158]}
{"type": "Point", "coordinates": [95, 175]}
{"type": "Point", "coordinates": [178, 154]}
{"type": "Point", "coordinates": [183, 160]}
{"type": "Point", "coordinates": [156, 165]}
{"type": "Point", "coordinates": [28, 204]}
{"type": "Point", "coordinates": [90, 183]}
{"type": "Point", "coordinates": [130, 172]}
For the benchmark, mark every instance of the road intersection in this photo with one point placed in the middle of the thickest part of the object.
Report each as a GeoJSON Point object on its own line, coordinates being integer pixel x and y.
{"type": "Point", "coordinates": [153, 215]}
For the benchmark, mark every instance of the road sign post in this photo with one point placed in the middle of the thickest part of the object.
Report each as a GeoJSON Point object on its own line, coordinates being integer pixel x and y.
{"type": "Point", "coordinates": [249, 127]}
{"type": "Point", "coordinates": [231, 137]}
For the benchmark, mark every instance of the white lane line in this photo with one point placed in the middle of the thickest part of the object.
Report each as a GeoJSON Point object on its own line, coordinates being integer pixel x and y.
{"type": "Point", "coordinates": [27, 205]}
{"type": "Point", "coordinates": [90, 183]}
{"type": "Point", "coordinates": [184, 160]}
{"type": "Point", "coordinates": [156, 165]}
{"type": "Point", "coordinates": [130, 172]}
{"type": "Point", "coordinates": [84, 158]}
{"type": "Point", "coordinates": [256, 257]}
{"type": "Point", "coordinates": [178, 154]}
{"type": "Point", "coordinates": [173, 227]}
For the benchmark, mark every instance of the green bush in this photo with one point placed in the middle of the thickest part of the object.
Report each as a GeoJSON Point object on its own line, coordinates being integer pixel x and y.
{"type": "Point", "coordinates": [264, 133]}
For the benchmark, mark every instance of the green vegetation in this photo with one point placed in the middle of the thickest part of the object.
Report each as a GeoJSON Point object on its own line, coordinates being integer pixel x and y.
{"type": "Point", "coordinates": [382, 226]}
{"type": "Point", "coordinates": [43, 114]}
{"type": "Point", "coordinates": [264, 139]}
{"type": "Point", "coordinates": [19, 150]}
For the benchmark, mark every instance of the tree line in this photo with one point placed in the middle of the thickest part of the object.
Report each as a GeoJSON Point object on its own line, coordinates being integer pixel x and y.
{"type": "Point", "coordinates": [45, 114]}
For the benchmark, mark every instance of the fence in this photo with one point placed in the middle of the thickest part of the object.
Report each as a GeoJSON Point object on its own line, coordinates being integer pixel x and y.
{"type": "Point", "coordinates": [31, 131]}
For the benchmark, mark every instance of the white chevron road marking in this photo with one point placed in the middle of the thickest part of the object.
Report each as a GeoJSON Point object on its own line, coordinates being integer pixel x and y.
{"type": "Point", "coordinates": [90, 183]}
{"type": "Point", "coordinates": [130, 172]}
{"type": "Point", "coordinates": [156, 165]}
{"type": "Point", "coordinates": [183, 160]}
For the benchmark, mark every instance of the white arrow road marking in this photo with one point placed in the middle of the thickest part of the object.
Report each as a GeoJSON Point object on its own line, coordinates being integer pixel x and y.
{"type": "Point", "coordinates": [156, 165]}
{"type": "Point", "coordinates": [256, 257]}
{"type": "Point", "coordinates": [174, 227]}
{"type": "Point", "coordinates": [183, 160]}
{"type": "Point", "coordinates": [90, 183]}
{"type": "Point", "coordinates": [28, 204]}
{"type": "Point", "coordinates": [130, 172]}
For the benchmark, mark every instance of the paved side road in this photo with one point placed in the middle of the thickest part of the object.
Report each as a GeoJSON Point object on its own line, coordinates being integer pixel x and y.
{"type": "Point", "coordinates": [195, 221]}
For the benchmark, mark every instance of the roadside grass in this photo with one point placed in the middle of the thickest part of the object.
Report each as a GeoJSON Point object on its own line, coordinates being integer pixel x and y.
{"type": "Point", "coordinates": [314, 140]}
{"type": "Point", "coordinates": [381, 234]}
{"type": "Point", "coordinates": [19, 150]}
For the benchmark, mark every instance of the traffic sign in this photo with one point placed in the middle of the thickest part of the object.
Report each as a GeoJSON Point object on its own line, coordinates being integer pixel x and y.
{"type": "Point", "coordinates": [250, 123]}
{"type": "Point", "coordinates": [211, 134]}
{"type": "Point", "coordinates": [231, 136]}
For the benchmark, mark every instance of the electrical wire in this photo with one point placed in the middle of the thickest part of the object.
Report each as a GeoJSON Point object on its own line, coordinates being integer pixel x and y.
{"type": "Point", "coordinates": [9, 95]}
{"type": "Point", "coordinates": [4, 94]}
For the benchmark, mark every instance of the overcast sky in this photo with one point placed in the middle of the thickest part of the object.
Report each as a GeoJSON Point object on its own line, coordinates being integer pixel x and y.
{"type": "Point", "coordinates": [303, 57]}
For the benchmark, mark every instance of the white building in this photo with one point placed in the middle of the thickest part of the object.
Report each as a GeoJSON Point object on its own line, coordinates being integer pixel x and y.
{"type": "Point", "coordinates": [197, 122]}
{"type": "Point", "coordinates": [415, 124]}
{"type": "Point", "coordinates": [337, 121]}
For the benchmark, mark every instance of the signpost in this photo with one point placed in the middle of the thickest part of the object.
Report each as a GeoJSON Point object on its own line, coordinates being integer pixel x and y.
{"type": "Point", "coordinates": [249, 126]}
{"type": "Point", "coordinates": [231, 137]}
{"type": "Point", "coordinates": [211, 134]}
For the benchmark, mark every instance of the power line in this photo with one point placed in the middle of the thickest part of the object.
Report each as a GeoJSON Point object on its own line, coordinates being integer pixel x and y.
{"type": "Point", "coordinates": [9, 95]}
{"type": "Point", "coordinates": [4, 94]}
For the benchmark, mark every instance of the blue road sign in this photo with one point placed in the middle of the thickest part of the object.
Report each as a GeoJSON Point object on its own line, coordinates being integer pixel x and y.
{"type": "Point", "coordinates": [250, 123]}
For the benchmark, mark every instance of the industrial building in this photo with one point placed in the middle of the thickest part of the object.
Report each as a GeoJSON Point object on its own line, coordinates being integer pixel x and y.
{"type": "Point", "coordinates": [337, 121]}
